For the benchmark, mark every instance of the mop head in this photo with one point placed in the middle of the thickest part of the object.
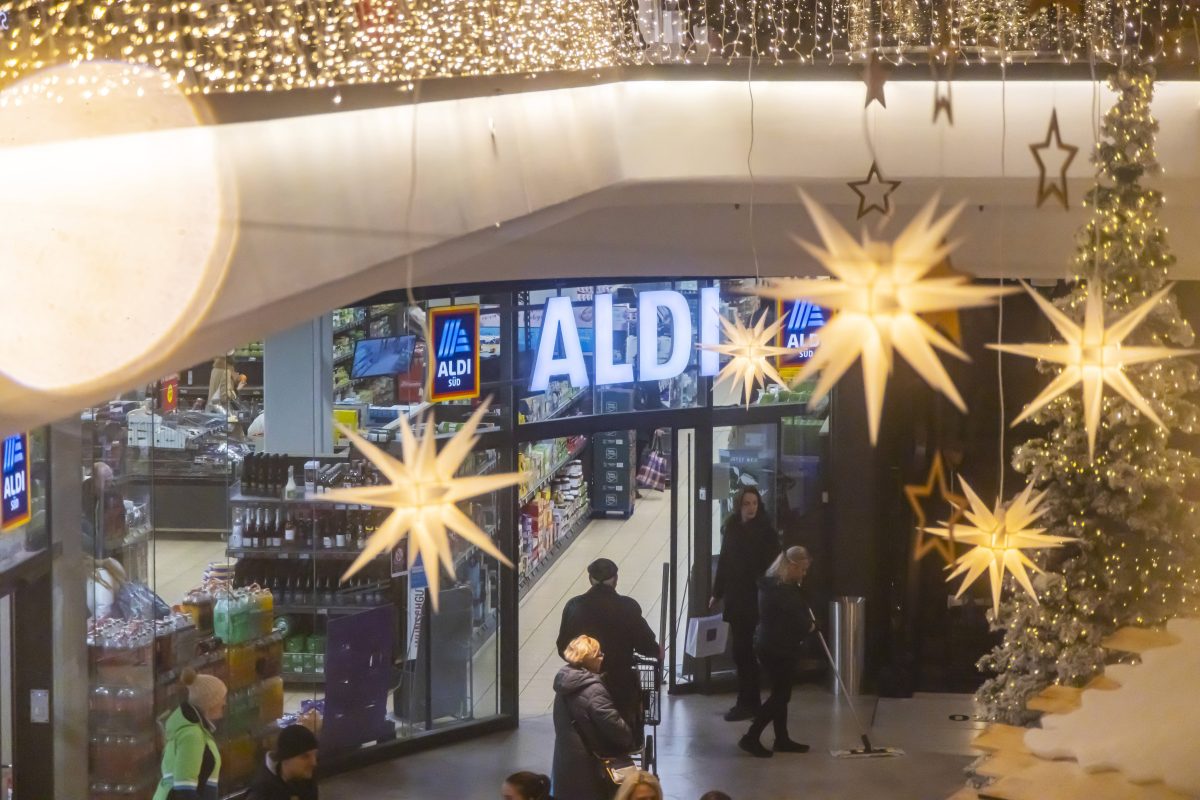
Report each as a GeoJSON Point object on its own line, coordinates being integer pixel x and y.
{"type": "Point", "coordinates": [867, 751]}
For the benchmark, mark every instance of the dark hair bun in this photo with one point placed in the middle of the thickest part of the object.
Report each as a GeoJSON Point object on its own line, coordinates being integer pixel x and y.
{"type": "Point", "coordinates": [531, 785]}
{"type": "Point", "coordinates": [188, 676]}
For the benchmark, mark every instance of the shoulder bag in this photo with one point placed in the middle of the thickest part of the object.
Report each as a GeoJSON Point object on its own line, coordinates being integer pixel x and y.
{"type": "Point", "coordinates": [614, 768]}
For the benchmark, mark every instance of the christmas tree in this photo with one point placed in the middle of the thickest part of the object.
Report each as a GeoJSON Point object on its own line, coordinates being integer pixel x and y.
{"type": "Point", "coordinates": [1138, 558]}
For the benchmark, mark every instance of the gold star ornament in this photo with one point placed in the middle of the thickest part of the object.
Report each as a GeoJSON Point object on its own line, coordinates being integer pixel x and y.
{"type": "Point", "coordinates": [916, 492]}
{"type": "Point", "coordinates": [1093, 355]}
{"type": "Point", "coordinates": [875, 75]}
{"type": "Point", "coordinates": [750, 351]}
{"type": "Point", "coordinates": [423, 493]}
{"type": "Point", "coordinates": [999, 537]}
{"type": "Point", "coordinates": [874, 193]}
{"type": "Point", "coordinates": [1065, 153]}
{"type": "Point", "coordinates": [878, 292]}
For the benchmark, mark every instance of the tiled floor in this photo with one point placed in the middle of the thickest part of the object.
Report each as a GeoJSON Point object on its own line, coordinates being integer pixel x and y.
{"type": "Point", "coordinates": [698, 752]}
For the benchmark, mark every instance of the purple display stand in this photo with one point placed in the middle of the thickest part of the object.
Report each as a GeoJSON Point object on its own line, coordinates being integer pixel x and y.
{"type": "Point", "coordinates": [358, 676]}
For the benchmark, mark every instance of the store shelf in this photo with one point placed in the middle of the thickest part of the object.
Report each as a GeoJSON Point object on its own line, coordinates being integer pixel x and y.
{"type": "Point", "coordinates": [561, 407]}
{"type": "Point", "coordinates": [298, 555]}
{"type": "Point", "coordinates": [324, 611]}
{"type": "Point", "coordinates": [527, 580]}
{"type": "Point", "coordinates": [349, 326]}
{"type": "Point", "coordinates": [549, 476]}
{"type": "Point", "coordinates": [343, 358]}
{"type": "Point", "coordinates": [303, 677]}
{"type": "Point", "coordinates": [236, 496]}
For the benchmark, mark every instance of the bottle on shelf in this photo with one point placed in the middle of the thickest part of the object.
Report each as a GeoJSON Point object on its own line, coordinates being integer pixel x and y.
{"type": "Point", "coordinates": [290, 490]}
{"type": "Point", "coordinates": [289, 532]}
{"type": "Point", "coordinates": [238, 530]}
{"type": "Point", "coordinates": [250, 537]}
{"type": "Point", "coordinates": [340, 531]}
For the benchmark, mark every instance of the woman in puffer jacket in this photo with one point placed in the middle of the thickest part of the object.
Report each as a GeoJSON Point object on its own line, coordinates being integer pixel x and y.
{"type": "Point", "coordinates": [586, 725]}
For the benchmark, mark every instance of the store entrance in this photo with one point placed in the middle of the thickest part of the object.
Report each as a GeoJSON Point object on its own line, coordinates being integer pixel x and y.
{"type": "Point", "coordinates": [593, 494]}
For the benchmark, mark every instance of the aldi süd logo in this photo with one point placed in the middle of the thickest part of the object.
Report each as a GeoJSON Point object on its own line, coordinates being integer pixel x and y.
{"type": "Point", "coordinates": [15, 510]}
{"type": "Point", "coordinates": [455, 349]}
{"type": "Point", "coordinates": [801, 321]}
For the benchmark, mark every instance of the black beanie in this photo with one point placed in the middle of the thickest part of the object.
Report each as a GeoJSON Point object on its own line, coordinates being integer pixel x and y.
{"type": "Point", "coordinates": [294, 740]}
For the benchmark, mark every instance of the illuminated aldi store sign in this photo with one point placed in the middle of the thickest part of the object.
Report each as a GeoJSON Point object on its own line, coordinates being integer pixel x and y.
{"type": "Point", "coordinates": [801, 321]}
{"type": "Point", "coordinates": [15, 510]}
{"type": "Point", "coordinates": [455, 349]}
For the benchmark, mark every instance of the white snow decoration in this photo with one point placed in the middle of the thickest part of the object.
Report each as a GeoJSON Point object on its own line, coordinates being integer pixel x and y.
{"type": "Point", "coordinates": [1147, 729]}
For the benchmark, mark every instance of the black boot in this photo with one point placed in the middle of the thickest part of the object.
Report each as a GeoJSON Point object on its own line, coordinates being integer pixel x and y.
{"type": "Point", "coordinates": [753, 746]}
{"type": "Point", "coordinates": [788, 746]}
{"type": "Point", "coordinates": [740, 713]}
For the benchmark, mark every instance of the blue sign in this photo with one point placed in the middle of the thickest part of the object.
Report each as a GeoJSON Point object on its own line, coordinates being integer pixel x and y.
{"type": "Point", "coordinates": [15, 510]}
{"type": "Point", "coordinates": [455, 349]}
{"type": "Point", "coordinates": [801, 321]}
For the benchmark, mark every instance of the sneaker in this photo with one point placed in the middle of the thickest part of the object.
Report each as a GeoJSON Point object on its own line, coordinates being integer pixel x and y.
{"type": "Point", "coordinates": [788, 746]}
{"type": "Point", "coordinates": [754, 747]}
{"type": "Point", "coordinates": [740, 713]}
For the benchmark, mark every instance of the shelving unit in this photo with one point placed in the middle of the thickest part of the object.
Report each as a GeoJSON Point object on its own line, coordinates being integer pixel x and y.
{"type": "Point", "coordinates": [350, 325]}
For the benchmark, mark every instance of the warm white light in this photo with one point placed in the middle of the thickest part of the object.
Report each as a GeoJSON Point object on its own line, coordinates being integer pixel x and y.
{"type": "Point", "coordinates": [423, 492]}
{"type": "Point", "coordinates": [750, 351]}
{"type": "Point", "coordinates": [1093, 355]}
{"type": "Point", "coordinates": [878, 292]}
{"type": "Point", "coordinates": [999, 537]}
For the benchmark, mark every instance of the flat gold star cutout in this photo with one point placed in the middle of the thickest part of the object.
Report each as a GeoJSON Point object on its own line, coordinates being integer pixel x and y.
{"type": "Point", "coordinates": [751, 352]}
{"type": "Point", "coordinates": [999, 537]}
{"type": "Point", "coordinates": [915, 492]}
{"type": "Point", "coordinates": [943, 99]}
{"type": "Point", "coordinates": [946, 322]}
{"type": "Point", "coordinates": [877, 291]}
{"type": "Point", "coordinates": [1065, 154]}
{"type": "Point", "coordinates": [1093, 355]}
{"type": "Point", "coordinates": [1072, 6]}
{"type": "Point", "coordinates": [875, 75]}
{"type": "Point", "coordinates": [874, 193]}
{"type": "Point", "coordinates": [423, 493]}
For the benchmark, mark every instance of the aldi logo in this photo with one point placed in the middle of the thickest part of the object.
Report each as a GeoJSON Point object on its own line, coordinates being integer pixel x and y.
{"type": "Point", "coordinates": [455, 349]}
{"type": "Point", "coordinates": [15, 509]}
{"type": "Point", "coordinates": [802, 321]}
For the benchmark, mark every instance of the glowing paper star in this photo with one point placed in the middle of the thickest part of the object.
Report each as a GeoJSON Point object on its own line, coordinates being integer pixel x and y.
{"type": "Point", "coordinates": [750, 350]}
{"type": "Point", "coordinates": [878, 292]}
{"type": "Point", "coordinates": [1093, 355]}
{"type": "Point", "coordinates": [999, 537]}
{"type": "Point", "coordinates": [423, 493]}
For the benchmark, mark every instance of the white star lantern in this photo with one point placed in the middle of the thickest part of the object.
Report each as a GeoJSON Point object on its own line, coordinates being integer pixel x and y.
{"type": "Point", "coordinates": [1093, 355]}
{"type": "Point", "coordinates": [423, 494]}
{"type": "Point", "coordinates": [878, 292]}
{"type": "Point", "coordinates": [750, 352]}
{"type": "Point", "coordinates": [999, 537]}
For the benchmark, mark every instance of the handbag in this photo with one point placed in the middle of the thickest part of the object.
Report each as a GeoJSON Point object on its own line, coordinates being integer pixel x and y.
{"type": "Point", "coordinates": [652, 474]}
{"type": "Point", "coordinates": [706, 636]}
{"type": "Point", "coordinates": [614, 768]}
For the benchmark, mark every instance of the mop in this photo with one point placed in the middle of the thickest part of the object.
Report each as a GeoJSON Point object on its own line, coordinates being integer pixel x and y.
{"type": "Point", "coordinates": [867, 750]}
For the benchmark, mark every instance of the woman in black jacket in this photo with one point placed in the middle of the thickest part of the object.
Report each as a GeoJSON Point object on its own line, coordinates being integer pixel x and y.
{"type": "Point", "coordinates": [748, 546]}
{"type": "Point", "coordinates": [586, 725]}
{"type": "Point", "coordinates": [784, 621]}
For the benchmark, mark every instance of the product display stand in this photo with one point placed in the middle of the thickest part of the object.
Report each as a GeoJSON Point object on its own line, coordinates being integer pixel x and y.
{"type": "Point", "coordinates": [615, 473]}
{"type": "Point", "coordinates": [554, 504]}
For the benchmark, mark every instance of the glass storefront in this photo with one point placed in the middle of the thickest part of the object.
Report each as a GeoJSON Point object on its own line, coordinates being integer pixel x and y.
{"type": "Point", "coordinates": [207, 543]}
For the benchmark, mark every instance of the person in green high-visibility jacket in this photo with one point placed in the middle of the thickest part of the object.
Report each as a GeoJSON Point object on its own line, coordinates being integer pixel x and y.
{"type": "Point", "coordinates": [191, 765]}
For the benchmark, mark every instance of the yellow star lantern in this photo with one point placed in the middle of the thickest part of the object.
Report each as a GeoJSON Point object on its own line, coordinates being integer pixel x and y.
{"type": "Point", "coordinates": [750, 351]}
{"type": "Point", "coordinates": [1093, 355]}
{"type": "Point", "coordinates": [879, 291]}
{"type": "Point", "coordinates": [423, 493]}
{"type": "Point", "coordinates": [999, 537]}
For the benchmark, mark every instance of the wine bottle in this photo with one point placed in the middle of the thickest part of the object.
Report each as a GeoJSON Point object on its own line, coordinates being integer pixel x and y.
{"type": "Point", "coordinates": [340, 531]}
{"type": "Point", "coordinates": [289, 532]}
{"type": "Point", "coordinates": [290, 492]}
{"type": "Point", "coordinates": [250, 537]}
{"type": "Point", "coordinates": [238, 531]}
{"type": "Point", "coordinates": [277, 529]}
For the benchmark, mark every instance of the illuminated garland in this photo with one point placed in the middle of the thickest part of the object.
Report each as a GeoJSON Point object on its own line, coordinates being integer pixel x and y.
{"type": "Point", "coordinates": [271, 45]}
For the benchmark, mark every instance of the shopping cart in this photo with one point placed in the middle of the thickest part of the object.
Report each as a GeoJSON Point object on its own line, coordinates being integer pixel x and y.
{"type": "Point", "coordinates": [650, 677]}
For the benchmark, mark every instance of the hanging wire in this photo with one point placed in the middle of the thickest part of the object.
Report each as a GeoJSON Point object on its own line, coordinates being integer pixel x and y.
{"type": "Point", "coordinates": [750, 165]}
{"type": "Point", "coordinates": [1003, 219]}
{"type": "Point", "coordinates": [411, 257]}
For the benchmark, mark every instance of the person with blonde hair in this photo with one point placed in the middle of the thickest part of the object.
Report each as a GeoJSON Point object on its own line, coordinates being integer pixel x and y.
{"type": "Point", "coordinates": [783, 624]}
{"type": "Point", "coordinates": [587, 725]}
{"type": "Point", "coordinates": [640, 785]}
{"type": "Point", "coordinates": [191, 763]}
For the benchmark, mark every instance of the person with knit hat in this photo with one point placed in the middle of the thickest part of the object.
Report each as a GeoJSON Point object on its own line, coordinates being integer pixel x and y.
{"type": "Point", "coordinates": [191, 764]}
{"type": "Point", "coordinates": [288, 771]}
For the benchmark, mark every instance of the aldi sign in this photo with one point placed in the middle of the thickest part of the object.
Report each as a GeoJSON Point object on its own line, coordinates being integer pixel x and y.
{"type": "Point", "coordinates": [455, 349]}
{"type": "Point", "coordinates": [801, 322]}
{"type": "Point", "coordinates": [15, 511]}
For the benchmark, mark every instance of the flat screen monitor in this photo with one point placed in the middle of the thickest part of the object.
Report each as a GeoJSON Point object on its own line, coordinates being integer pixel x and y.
{"type": "Point", "coordinates": [387, 356]}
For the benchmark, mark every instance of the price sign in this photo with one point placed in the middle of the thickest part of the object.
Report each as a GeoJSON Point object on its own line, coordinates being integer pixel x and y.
{"type": "Point", "coordinates": [15, 509]}
{"type": "Point", "coordinates": [169, 393]}
{"type": "Point", "coordinates": [455, 352]}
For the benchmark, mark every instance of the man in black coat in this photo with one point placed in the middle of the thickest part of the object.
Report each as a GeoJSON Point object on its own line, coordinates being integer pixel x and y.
{"type": "Point", "coordinates": [288, 772]}
{"type": "Point", "coordinates": [616, 622]}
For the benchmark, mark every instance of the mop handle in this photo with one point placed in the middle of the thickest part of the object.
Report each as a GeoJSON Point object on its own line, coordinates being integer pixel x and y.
{"type": "Point", "coordinates": [837, 674]}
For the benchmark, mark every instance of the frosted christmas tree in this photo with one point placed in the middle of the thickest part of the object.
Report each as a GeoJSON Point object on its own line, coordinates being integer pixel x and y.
{"type": "Point", "coordinates": [1138, 559]}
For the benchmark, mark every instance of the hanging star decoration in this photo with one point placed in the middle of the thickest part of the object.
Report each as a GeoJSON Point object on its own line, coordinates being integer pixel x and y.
{"type": "Point", "coordinates": [943, 99]}
{"type": "Point", "coordinates": [999, 537]}
{"type": "Point", "coordinates": [423, 492]}
{"type": "Point", "coordinates": [946, 322]}
{"type": "Point", "coordinates": [750, 351]}
{"type": "Point", "coordinates": [916, 492]}
{"type": "Point", "coordinates": [1093, 355]}
{"type": "Point", "coordinates": [875, 75]}
{"type": "Point", "coordinates": [1056, 187]}
{"type": "Point", "coordinates": [874, 193]}
{"type": "Point", "coordinates": [878, 291]}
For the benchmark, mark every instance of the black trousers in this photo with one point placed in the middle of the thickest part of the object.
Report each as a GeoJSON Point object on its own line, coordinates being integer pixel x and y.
{"type": "Point", "coordinates": [626, 690]}
{"type": "Point", "coordinates": [746, 664]}
{"type": "Point", "coordinates": [781, 673]}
